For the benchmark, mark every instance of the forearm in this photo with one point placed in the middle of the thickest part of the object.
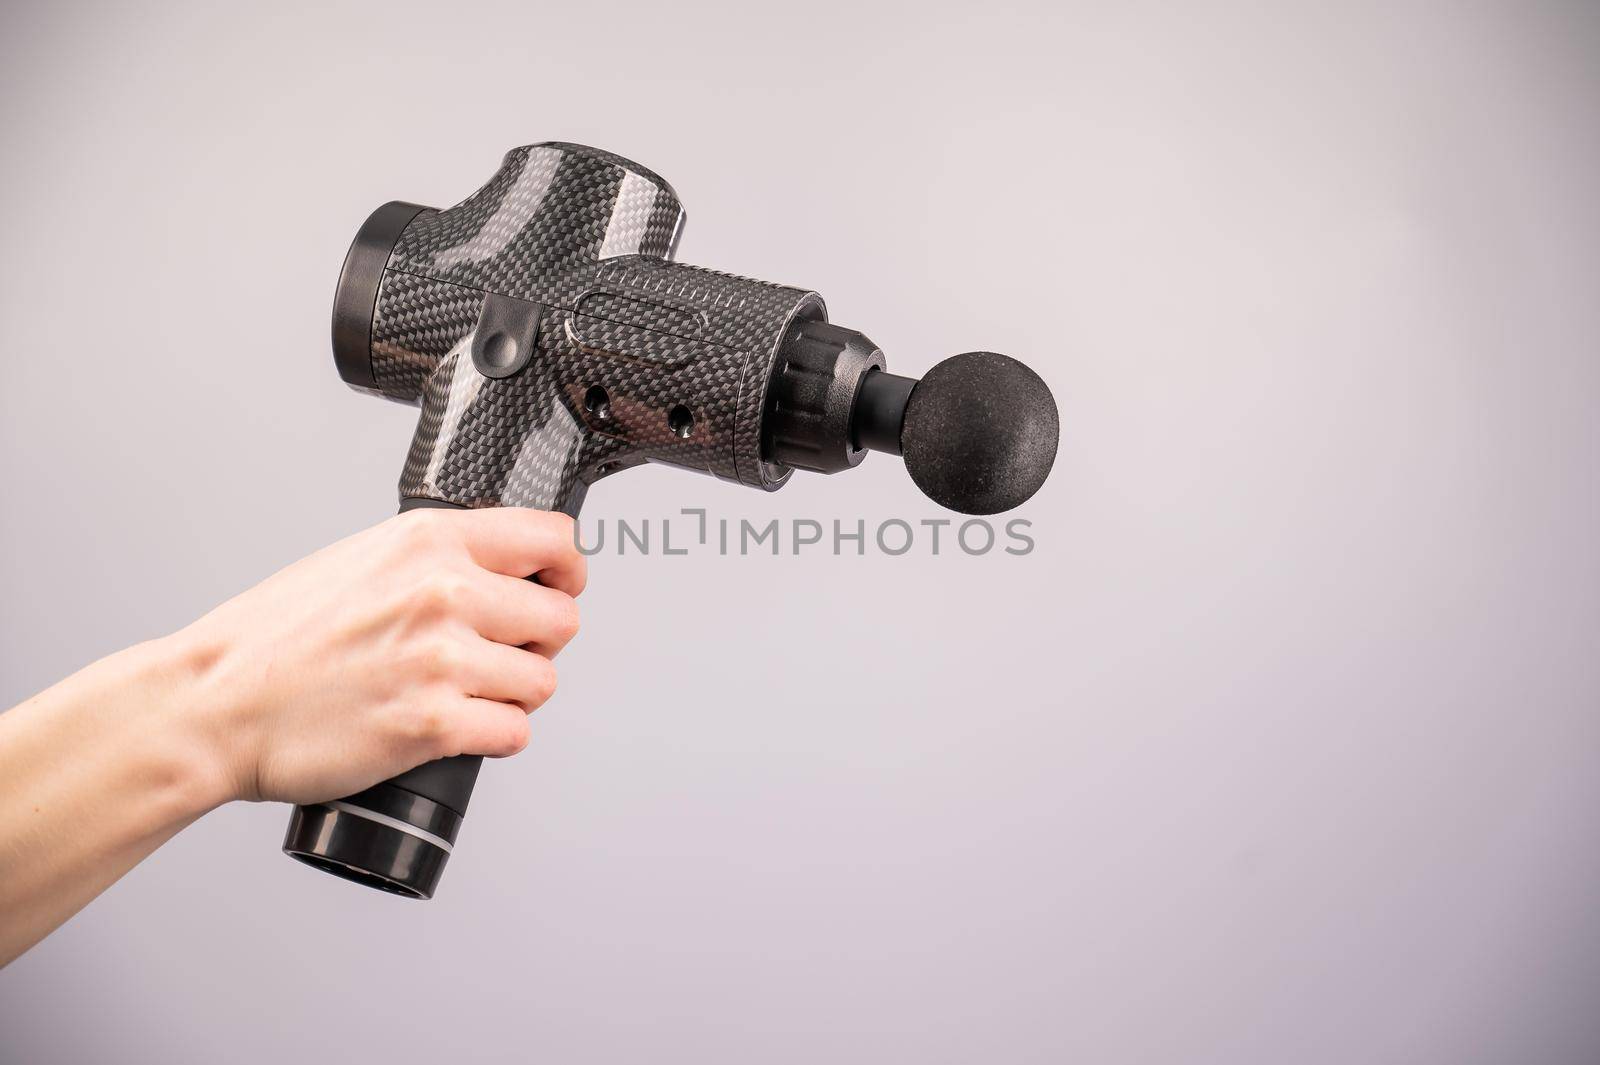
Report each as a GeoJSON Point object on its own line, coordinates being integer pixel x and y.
{"type": "Point", "coordinates": [415, 640]}
{"type": "Point", "coordinates": [95, 773]}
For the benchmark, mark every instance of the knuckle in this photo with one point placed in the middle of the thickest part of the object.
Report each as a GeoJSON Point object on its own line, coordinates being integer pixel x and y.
{"type": "Point", "coordinates": [542, 685]}
{"type": "Point", "coordinates": [563, 531]}
{"type": "Point", "coordinates": [517, 737]}
{"type": "Point", "coordinates": [444, 659]}
{"type": "Point", "coordinates": [566, 621]}
{"type": "Point", "coordinates": [423, 531]}
{"type": "Point", "coordinates": [423, 724]}
{"type": "Point", "coordinates": [437, 594]}
{"type": "Point", "coordinates": [580, 572]}
{"type": "Point", "coordinates": [433, 660]}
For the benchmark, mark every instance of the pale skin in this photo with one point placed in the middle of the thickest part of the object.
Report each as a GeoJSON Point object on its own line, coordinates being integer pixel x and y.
{"type": "Point", "coordinates": [414, 640]}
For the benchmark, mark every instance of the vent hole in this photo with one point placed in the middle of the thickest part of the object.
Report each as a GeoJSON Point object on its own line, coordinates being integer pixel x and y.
{"type": "Point", "coordinates": [597, 401]}
{"type": "Point", "coordinates": [681, 421]}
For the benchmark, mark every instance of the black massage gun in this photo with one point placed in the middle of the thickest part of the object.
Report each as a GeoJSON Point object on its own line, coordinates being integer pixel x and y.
{"type": "Point", "coordinates": [550, 340]}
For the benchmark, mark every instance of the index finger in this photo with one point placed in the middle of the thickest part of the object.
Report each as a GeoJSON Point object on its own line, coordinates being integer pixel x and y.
{"type": "Point", "coordinates": [520, 542]}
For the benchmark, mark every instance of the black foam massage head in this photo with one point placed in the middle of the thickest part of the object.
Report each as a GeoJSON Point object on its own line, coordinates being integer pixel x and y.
{"type": "Point", "coordinates": [979, 433]}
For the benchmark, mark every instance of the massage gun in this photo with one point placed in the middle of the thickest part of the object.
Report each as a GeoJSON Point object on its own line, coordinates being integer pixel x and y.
{"type": "Point", "coordinates": [551, 340]}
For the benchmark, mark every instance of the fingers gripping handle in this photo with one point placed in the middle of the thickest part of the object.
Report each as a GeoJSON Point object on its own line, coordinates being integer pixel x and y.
{"type": "Point", "coordinates": [395, 836]}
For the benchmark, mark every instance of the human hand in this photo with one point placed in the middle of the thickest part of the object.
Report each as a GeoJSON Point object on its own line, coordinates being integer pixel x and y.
{"type": "Point", "coordinates": [414, 640]}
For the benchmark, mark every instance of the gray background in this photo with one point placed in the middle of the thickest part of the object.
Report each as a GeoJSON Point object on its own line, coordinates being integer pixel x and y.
{"type": "Point", "coordinates": [1283, 746]}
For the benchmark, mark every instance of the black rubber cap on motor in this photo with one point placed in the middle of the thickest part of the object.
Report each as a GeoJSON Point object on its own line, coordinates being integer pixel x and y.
{"type": "Point", "coordinates": [356, 298]}
{"type": "Point", "coordinates": [980, 433]}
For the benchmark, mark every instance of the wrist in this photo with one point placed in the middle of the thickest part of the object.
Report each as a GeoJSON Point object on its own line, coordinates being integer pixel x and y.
{"type": "Point", "coordinates": [184, 733]}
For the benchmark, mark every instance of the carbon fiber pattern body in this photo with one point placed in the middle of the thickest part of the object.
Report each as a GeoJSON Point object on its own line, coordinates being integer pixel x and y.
{"type": "Point", "coordinates": [680, 358]}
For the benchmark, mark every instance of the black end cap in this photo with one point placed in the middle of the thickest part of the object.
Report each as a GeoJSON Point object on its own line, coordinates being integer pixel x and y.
{"type": "Point", "coordinates": [356, 299]}
{"type": "Point", "coordinates": [384, 838]}
{"type": "Point", "coordinates": [980, 433]}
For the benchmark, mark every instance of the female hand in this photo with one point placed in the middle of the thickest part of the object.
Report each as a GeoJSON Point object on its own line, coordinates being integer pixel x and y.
{"type": "Point", "coordinates": [414, 640]}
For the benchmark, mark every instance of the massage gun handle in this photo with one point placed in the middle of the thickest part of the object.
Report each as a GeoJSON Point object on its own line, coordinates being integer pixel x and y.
{"type": "Point", "coordinates": [446, 781]}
